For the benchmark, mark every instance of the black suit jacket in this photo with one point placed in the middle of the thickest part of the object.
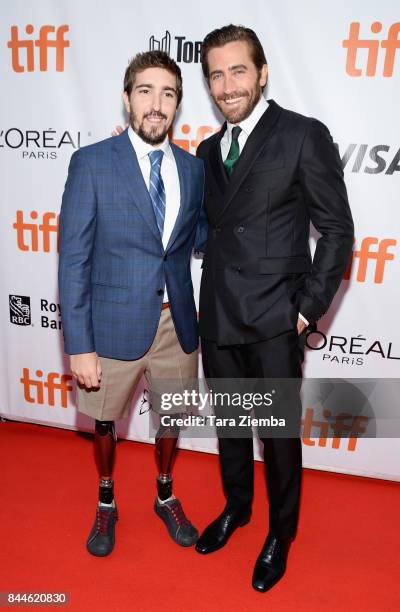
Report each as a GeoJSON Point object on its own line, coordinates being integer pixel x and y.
{"type": "Point", "coordinates": [258, 273]}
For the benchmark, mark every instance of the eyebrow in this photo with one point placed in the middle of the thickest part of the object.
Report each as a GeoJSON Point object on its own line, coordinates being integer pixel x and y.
{"type": "Point", "coordinates": [150, 86]}
{"type": "Point", "coordinates": [231, 68]}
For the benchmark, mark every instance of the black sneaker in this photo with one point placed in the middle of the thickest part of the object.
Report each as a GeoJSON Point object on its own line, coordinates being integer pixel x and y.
{"type": "Point", "coordinates": [101, 538]}
{"type": "Point", "coordinates": [179, 527]}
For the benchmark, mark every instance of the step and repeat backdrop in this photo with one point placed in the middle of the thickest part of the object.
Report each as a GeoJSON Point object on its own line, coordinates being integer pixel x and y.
{"type": "Point", "coordinates": [61, 72]}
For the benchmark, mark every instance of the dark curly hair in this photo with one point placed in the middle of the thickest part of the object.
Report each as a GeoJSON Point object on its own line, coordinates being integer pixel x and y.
{"type": "Point", "coordinates": [152, 59]}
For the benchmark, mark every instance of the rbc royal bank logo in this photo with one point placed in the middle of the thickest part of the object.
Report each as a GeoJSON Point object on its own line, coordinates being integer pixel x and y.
{"type": "Point", "coordinates": [20, 309]}
{"type": "Point", "coordinates": [187, 51]}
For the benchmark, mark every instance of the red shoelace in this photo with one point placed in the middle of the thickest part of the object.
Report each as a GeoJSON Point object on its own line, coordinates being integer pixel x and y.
{"type": "Point", "coordinates": [178, 513]}
{"type": "Point", "coordinates": [104, 516]}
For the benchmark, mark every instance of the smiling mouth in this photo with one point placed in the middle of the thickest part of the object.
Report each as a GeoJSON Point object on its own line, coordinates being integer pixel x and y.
{"type": "Point", "coordinates": [153, 119]}
{"type": "Point", "coordinates": [233, 101]}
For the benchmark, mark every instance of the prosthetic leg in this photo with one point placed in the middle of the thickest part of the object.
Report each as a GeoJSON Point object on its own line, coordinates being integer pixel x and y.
{"type": "Point", "coordinates": [102, 536]}
{"type": "Point", "coordinates": [104, 449]}
{"type": "Point", "coordinates": [166, 441]}
{"type": "Point", "coordinates": [167, 506]}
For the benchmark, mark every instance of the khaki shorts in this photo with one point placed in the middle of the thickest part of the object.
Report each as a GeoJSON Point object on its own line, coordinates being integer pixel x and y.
{"type": "Point", "coordinates": [165, 365]}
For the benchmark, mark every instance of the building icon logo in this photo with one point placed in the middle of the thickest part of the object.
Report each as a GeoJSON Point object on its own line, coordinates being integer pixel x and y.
{"type": "Point", "coordinates": [161, 45]}
{"type": "Point", "coordinates": [20, 309]}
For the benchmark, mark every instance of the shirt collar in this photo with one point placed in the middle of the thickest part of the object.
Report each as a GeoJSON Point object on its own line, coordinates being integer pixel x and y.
{"type": "Point", "coordinates": [250, 122]}
{"type": "Point", "coordinates": [142, 148]}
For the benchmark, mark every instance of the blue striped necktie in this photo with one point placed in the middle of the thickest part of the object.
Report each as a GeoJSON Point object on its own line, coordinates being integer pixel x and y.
{"type": "Point", "coordinates": [156, 188]}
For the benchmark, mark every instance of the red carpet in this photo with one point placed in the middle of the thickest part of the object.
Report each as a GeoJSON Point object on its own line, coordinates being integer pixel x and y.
{"type": "Point", "coordinates": [345, 557]}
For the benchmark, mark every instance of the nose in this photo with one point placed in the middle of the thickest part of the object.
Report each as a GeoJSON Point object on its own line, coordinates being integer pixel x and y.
{"type": "Point", "coordinates": [156, 101]}
{"type": "Point", "coordinates": [229, 84]}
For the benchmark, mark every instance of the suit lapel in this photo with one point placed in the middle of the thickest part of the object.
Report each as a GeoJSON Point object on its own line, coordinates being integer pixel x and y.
{"type": "Point", "coordinates": [184, 180]}
{"type": "Point", "coordinates": [216, 162]}
{"type": "Point", "coordinates": [255, 143]}
{"type": "Point", "coordinates": [129, 169]}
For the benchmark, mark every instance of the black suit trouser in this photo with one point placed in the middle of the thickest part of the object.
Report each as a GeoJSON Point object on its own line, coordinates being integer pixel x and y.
{"type": "Point", "coordinates": [277, 358]}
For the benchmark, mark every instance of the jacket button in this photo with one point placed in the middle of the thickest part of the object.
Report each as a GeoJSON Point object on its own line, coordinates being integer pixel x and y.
{"type": "Point", "coordinates": [238, 270]}
{"type": "Point", "coordinates": [249, 189]}
{"type": "Point", "coordinates": [160, 291]}
{"type": "Point", "coordinates": [165, 257]}
{"type": "Point", "coordinates": [240, 229]}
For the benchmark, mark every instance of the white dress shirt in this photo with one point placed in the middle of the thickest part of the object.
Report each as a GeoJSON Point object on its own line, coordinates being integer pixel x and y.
{"type": "Point", "coordinates": [170, 176]}
{"type": "Point", "coordinates": [247, 126]}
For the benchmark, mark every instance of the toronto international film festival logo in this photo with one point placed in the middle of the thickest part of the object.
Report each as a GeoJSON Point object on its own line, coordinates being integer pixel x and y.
{"type": "Point", "coordinates": [39, 234]}
{"type": "Point", "coordinates": [186, 51]}
{"type": "Point", "coordinates": [51, 390]}
{"type": "Point", "coordinates": [23, 49]}
{"type": "Point", "coordinates": [354, 44]}
{"type": "Point", "coordinates": [372, 250]}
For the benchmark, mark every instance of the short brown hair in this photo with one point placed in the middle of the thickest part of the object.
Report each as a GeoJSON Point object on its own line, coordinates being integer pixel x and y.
{"type": "Point", "coordinates": [152, 59]}
{"type": "Point", "coordinates": [232, 33]}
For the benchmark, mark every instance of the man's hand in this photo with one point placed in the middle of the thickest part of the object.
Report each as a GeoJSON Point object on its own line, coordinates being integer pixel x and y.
{"type": "Point", "coordinates": [300, 326]}
{"type": "Point", "coordinates": [86, 369]}
{"type": "Point", "coordinates": [118, 130]}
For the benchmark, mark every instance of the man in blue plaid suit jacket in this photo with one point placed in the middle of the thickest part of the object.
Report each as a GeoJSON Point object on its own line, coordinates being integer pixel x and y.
{"type": "Point", "coordinates": [130, 218]}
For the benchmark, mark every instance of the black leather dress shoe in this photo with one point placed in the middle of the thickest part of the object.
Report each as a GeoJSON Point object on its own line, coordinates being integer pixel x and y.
{"type": "Point", "coordinates": [271, 563]}
{"type": "Point", "coordinates": [217, 534]}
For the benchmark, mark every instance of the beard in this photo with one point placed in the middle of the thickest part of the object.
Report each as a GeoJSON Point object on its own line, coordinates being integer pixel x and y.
{"type": "Point", "coordinates": [239, 114]}
{"type": "Point", "coordinates": [153, 135]}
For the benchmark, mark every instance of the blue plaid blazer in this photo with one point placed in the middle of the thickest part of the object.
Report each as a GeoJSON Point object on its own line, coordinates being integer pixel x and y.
{"type": "Point", "coordinates": [112, 265]}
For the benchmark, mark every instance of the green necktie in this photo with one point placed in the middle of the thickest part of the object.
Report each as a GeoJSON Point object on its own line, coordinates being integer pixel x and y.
{"type": "Point", "coordinates": [234, 151]}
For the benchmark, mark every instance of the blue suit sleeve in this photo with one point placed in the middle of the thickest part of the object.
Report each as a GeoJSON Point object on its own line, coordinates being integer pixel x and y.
{"type": "Point", "coordinates": [77, 231]}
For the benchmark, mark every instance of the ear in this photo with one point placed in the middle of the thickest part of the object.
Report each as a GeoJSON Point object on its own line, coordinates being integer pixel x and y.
{"type": "Point", "coordinates": [126, 102]}
{"type": "Point", "coordinates": [264, 75]}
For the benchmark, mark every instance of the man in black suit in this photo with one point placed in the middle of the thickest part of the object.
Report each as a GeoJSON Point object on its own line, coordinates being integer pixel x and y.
{"type": "Point", "coordinates": [269, 172]}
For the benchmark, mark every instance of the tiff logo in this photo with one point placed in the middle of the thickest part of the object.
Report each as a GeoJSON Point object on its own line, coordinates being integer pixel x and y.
{"type": "Point", "coordinates": [379, 256]}
{"type": "Point", "coordinates": [28, 233]}
{"type": "Point", "coordinates": [354, 43]}
{"type": "Point", "coordinates": [190, 144]}
{"type": "Point", "coordinates": [44, 43]}
{"type": "Point", "coordinates": [39, 391]}
{"type": "Point", "coordinates": [20, 309]}
{"type": "Point", "coordinates": [345, 426]}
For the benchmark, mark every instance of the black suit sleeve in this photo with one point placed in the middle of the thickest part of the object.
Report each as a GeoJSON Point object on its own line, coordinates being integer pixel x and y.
{"type": "Point", "coordinates": [201, 149]}
{"type": "Point", "coordinates": [202, 225]}
{"type": "Point", "coordinates": [321, 177]}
